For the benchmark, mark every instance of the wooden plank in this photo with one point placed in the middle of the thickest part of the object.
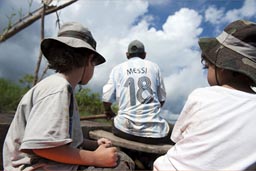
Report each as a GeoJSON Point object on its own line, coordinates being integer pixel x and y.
{"type": "Point", "coordinates": [120, 142]}
{"type": "Point", "coordinates": [88, 125]}
{"type": "Point", "coordinates": [91, 117]}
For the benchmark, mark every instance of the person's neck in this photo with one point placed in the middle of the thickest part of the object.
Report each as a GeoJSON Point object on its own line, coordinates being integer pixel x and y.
{"type": "Point", "coordinates": [72, 78]}
{"type": "Point", "coordinates": [240, 87]}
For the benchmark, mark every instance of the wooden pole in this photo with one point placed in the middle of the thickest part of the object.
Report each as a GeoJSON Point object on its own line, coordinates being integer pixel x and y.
{"type": "Point", "coordinates": [99, 116]}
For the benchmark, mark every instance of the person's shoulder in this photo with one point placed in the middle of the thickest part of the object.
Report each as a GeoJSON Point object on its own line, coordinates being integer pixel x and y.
{"type": "Point", "coordinates": [149, 62]}
{"type": "Point", "coordinates": [58, 78]}
{"type": "Point", "coordinates": [212, 91]}
{"type": "Point", "coordinates": [202, 91]}
{"type": "Point", "coordinates": [52, 83]}
{"type": "Point", "coordinates": [117, 67]}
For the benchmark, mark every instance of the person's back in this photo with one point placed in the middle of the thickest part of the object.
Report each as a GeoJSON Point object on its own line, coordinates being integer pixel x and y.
{"type": "Point", "coordinates": [138, 87]}
{"type": "Point", "coordinates": [51, 93]}
{"type": "Point", "coordinates": [139, 104]}
{"type": "Point", "coordinates": [214, 130]}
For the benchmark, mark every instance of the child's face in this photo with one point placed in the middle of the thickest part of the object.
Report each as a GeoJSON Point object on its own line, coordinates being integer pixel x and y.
{"type": "Point", "coordinates": [211, 75]}
{"type": "Point", "coordinates": [88, 70]}
{"type": "Point", "coordinates": [211, 71]}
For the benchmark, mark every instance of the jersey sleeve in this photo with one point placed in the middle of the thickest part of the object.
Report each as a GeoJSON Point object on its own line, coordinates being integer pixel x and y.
{"type": "Point", "coordinates": [109, 89]}
{"type": "Point", "coordinates": [161, 87]}
{"type": "Point", "coordinates": [48, 122]}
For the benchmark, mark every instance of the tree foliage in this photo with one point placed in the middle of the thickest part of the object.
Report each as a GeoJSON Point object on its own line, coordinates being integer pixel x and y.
{"type": "Point", "coordinates": [27, 80]}
{"type": "Point", "coordinates": [88, 102]}
{"type": "Point", "coordinates": [11, 93]}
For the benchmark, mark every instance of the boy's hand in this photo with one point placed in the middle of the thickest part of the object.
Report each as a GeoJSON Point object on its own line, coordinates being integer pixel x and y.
{"type": "Point", "coordinates": [110, 114]}
{"type": "Point", "coordinates": [104, 141]}
{"type": "Point", "coordinates": [106, 156]}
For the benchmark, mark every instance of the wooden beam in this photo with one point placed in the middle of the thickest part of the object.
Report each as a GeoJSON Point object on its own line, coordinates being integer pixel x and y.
{"type": "Point", "coordinates": [120, 142]}
{"type": "Point", "coordinates": [30, 19]}
{"type": "Point", "coordinates": [99, 116]}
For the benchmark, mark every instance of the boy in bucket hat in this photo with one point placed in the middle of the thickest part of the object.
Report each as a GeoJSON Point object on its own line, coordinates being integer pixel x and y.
{"type": "Point", "coordinates": [214, 129]}
{"type": "Point", "coordinates": [45, 133]}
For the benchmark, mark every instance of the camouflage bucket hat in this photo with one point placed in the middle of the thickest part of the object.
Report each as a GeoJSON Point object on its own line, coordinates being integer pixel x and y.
{"type": "Point", "coordinates": [136, 47]}
{"type": "Point", "coordinates": [234, 49]}
{"type": "Point", "coordinates": [75, 35]}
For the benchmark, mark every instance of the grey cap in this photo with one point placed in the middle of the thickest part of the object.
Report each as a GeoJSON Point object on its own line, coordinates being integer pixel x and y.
{"type": "Point", "coordinates": [136, 47]}
{"type": "Point", "coordinates": [75, 35]}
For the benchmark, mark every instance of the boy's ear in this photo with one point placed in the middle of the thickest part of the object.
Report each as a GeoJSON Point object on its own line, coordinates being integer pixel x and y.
{"type": "Point", "coordinates": [127, 55]}
{"type": "Point", "coordinates": [144, 55]}
{"type": "Point", "coordinates": [90, 60]}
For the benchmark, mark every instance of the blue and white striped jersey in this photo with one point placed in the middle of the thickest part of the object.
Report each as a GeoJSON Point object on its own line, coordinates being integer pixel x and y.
{"type": "Point", "coordinates": [138, 87]}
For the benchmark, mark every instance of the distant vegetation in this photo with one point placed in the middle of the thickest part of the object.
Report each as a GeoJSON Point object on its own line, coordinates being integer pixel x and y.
{"type": "Point", "coordinates": [10, 95]}
{"type": "Point", "coordinates": [89, 103]}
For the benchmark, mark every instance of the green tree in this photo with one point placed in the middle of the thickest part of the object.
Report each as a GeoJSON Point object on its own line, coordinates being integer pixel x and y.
{"type": "Point", "coordinates": [88, 102]}
{"type": "Point", "coordinates": [27, 81]}
{"type": "Point", "coordinates": [10, 95]}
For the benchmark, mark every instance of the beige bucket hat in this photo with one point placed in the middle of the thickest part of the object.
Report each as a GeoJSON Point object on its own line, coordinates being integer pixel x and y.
{"type": "Point", "coordinates": [75, 35]}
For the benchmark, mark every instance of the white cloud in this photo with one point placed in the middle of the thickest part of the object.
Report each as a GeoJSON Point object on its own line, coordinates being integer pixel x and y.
{"type": "Point", "coordinates": [171, 48]}
{"type": "Point", "coordinates": [115, 23]}
{"type": "Point", "coordinates": [214, 15]}
{"type": "Point", "coordinates": [248, 9]}
{"type": "Point", "coordinates": [218, 16]}
{"type": "Point", "coordinates": [112, 17]}
{"type": "Point", "coordinates": [183, 26]}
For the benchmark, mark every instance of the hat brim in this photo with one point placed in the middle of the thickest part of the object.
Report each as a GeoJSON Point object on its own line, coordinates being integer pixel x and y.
{"type": "Point", "coordinates": [206, 43]}
{"type": "Point", "coordinates": [72, 42]}
{"type": "Point", "coordinates": [226, 58]}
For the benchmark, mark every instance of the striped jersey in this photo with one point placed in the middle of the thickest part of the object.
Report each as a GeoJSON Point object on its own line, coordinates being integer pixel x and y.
{"type": "Point", "coordinates": [138, 88]}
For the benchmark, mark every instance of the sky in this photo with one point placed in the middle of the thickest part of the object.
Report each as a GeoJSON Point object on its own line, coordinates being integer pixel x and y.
{"type": "Point", "coordinates": [169, 29]}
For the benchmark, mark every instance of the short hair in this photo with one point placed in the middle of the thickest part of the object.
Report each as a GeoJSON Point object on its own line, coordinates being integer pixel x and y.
{"type": "Point", "coordinates": [65, 58]}
{"type": "Point", "coordinates": [141, 54]}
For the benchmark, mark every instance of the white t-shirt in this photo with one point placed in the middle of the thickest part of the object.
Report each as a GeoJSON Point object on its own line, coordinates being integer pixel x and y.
{"type": "Point", "coordinates": [138, 87]}
{"type": "Point", "coordinates": [215, 131]}
{"type": "Point", "coordinates": [42, 120]}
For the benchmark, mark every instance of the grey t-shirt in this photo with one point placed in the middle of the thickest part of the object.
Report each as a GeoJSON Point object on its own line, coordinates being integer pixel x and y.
{"type": "Point", "coordinates": [42, 120]}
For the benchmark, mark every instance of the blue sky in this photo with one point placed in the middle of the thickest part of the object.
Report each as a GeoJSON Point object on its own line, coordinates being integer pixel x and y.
{"type": "Point", "coordinates": [161, 12]}
{"type": "Point", "coordinates": [169, 29]}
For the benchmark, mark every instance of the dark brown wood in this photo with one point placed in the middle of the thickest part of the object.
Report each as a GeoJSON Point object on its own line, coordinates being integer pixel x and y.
{"type": "Point", "coordinates": [30, 19]}
{"type": "Point", "coordinates": [39, 59]}
{"type": "Point", "coordinates": [99, 116]}
{"type": "Point", "coordinates": [88, 125]}
{"type": "Point", "coordinates": [120, 142]}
